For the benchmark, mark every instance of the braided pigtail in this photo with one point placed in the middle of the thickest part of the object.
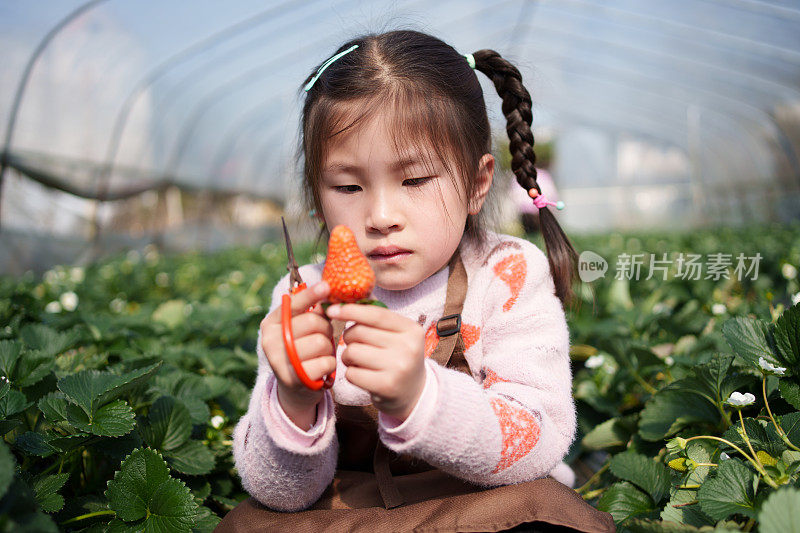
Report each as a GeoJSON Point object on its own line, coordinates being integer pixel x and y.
{"type": "Point", "coordinates": [516, 107]}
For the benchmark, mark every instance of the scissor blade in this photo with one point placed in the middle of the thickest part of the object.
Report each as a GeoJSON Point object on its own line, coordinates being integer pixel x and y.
{"type": "Point", "coordinates": [291, 266]}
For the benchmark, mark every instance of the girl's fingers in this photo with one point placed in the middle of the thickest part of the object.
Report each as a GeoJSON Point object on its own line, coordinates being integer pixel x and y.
{"type": "Point", "coordinates": [311, 346]}
{"type": "Point", "coordinates": [310, 323]}
{"type": "Point", "coordinates": [363, 356]}
{"type": "Point", "coordinates": [315, 369]}
{"type": "Point", "coordinates": [364, 378]}
{"type": "Point", "coordinates": [370, 315]}
{"type": "Point", "coordinates": [309, 297]}
{"type": "Point", "coordinates": [368, 335]}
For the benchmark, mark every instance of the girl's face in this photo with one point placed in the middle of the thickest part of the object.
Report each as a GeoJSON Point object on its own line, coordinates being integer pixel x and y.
{"type": "Point", "coordinates": [408, 219]}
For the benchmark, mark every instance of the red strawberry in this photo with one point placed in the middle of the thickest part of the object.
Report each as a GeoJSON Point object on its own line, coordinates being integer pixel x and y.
{"type": "Point", "coordinates": [346, 269]}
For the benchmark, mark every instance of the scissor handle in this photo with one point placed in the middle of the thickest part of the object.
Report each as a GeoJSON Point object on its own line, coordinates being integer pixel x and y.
{"type": "Point", "coordinates": [291, 350]}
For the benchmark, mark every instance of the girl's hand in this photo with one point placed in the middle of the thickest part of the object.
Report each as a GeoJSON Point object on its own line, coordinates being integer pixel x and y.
{"type": "Point", "coordinates": [385, 355]}
{"type": "Point", "coordinates": [313, 338]}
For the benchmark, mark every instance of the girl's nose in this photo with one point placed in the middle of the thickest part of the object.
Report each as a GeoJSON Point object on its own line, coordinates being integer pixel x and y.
{"type": "Point", "coordinates": [384, 213]}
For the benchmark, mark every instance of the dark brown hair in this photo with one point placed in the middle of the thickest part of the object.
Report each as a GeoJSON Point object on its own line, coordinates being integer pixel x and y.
{"type": "Point", "coordinates": [436, 103]}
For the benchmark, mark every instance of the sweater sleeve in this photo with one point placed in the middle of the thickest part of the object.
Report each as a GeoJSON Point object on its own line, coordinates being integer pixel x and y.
{"type": "Point", "coordinates": [280, 465]}
{"type": "Point", "coordinates": [518, 423]}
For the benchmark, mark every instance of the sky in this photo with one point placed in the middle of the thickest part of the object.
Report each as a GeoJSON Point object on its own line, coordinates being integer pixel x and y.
{"type": "Point", "coordinates": [638, 92]}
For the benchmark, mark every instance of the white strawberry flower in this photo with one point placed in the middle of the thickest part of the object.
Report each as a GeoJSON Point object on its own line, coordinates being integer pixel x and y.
{"type": "Point", "coordinates": [769, 368]}
{"type": "Point", "coordinates": [718, 309]}
{"type": "Point", "coordinates": [737, 399]}
{"type": "Point", "coordinates": [789, 271]}
{"type": "Point", "coordinates": [77, 274]}
{"type": "Point", "coordinates": [796, 298]}
{"type": "Point", "coordinates": [117, 305]}
{"type": "Point", "coordinates": [595, 361]}
{"type": "Point", "coordinates": [669, 361]}
{"type": "Point", "coordinates": [217, 421]}
{"type": "Point", "coordinates": [69, 301]}
{"type": "Point", "coordinates": [53, 307]}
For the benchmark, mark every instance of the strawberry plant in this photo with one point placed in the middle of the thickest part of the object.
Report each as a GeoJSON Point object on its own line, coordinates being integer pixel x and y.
{"type": "Point", "coordinates": [121, 382]}
{"type": "Point", "coordinates": [686, 389]}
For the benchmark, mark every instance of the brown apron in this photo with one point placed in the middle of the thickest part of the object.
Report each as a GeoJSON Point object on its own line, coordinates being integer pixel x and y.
{"type": "Point", "coordinates": [376, 490]}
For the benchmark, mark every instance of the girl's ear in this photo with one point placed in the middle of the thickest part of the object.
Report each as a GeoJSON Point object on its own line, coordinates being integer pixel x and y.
{"type": "Point", "coordinates": [484, 178]}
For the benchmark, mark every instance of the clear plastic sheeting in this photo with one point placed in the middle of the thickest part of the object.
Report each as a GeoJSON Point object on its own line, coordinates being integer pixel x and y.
{"type": "Point", "coordinates": [139, 118]}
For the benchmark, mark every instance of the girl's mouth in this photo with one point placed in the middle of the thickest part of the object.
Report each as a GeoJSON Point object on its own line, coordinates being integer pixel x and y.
{"type": "Point", "coordinates": [394, 257]}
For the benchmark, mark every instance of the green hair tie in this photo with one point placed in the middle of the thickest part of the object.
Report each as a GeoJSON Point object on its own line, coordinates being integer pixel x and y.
{"type": "Point", "coordinates": [470, 60]}
{"type": "Point", "coordinates": [326, 65]}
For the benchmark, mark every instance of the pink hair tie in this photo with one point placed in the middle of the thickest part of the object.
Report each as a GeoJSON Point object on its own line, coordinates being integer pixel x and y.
{"type": "Point", "coordinates": [541, 202]}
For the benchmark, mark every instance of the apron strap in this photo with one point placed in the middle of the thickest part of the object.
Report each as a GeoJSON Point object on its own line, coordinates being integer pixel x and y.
{"type": "Point", "coordinates": [449, 326]}
{"type": "Point", "coordinates": [449, 330]}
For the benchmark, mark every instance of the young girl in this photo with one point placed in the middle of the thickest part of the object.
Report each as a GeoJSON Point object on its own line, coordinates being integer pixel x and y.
{"type": "Point", "coordinates": [448, 404]}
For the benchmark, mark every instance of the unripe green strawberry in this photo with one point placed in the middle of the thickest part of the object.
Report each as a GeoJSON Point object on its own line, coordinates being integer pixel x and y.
{"type": "Point", "coordinates": [347, 271]}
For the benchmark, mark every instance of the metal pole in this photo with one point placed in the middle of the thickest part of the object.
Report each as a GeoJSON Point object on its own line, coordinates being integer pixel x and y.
{"type": "Point", "coordinates": [23, 83]}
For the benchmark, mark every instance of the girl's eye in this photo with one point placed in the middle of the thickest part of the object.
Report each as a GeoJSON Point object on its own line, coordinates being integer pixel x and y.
{"type": "Point", "coordinates": [416, 182]}
{"type": "Point", "coordinates": [348, 189]}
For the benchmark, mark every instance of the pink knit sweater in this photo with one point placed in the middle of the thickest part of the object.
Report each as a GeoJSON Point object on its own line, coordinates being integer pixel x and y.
{"type": "Point", "coordinates": [512, 420]}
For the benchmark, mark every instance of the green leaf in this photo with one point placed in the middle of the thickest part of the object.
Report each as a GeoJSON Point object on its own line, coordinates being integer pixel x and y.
{"type": "Point", "coordinates": [46, 490]}
{"type": "Point", "coordinates": [54, 407]}
{"type": "Point", "coordinates": [118, 526]}
{"type": "Point", "coordinates": [189, 389]}
{"type": "Point", "coordinates": [638, 525]}
{"type": "Point", "coordinates": [89, 389]}
{"type": "Point", "coordinates": [35, 443]}
{"type": "Point", "coordinates": [12, 403]}
{"type": "Point", "coordinates": [648, 475]}
{"type": "Point", "coordinates": [5, 386]}
{"type": "Point", "coordinates": [143, 489]}
{"type": "Point", "coordinates": [682, 510]}
{"type": "Point", "coordinates": [46, 340]}
{"type": "Point", "coordinates": [198, 409]}
{"type": "Point", "coordinates": [112, 420]}
{"type": "Point", "coordinates": [787, 337]}
{"type": "Point", "coordinates": [9, 355]}
{"type": "Point", "coordinates": [750, 339]}
{"type": "Point", "coordinates": [790, 391]}
{"type": "Point", "coordinates": [713, 373]}
{"type": "Point", "coordinates": [780, 513]}
{"type": "Point", "coordinates": [790, 423]}
{"type": "Point", "coordinates": [20, 512]}
{"type": "Point", "coordinates": [699, 452]}
{"type": "Point", "coordinates": [206, 520]}
{"type": "Point", "coordinates": [32, 367]}
{"type": "Point", "coordinates": [129, 381]}
{"type": "Point", "coordinates": [193, 458]}
{"type": "Point", "coordinates": [623, 500]}
{"type": "Point", "coordinates": [170, 424]}
{"type": "Point", "coordinates": [85, 387]}
{"type": "Point", "coordinates": [172, 508]}
{"type": "Point", "coordinates": [7, 466]}
{"type": "Point", "coordinates": [731, 491]}
{"type": "Point", "coordinates": [673, 408]}
{"type": "Point", "coordinates": [761, 433]}
{"type": "Point", "coordinates": [610, 434]}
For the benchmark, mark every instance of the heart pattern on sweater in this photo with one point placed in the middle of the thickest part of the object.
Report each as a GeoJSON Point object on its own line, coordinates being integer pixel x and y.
{"type": "Point", "coordinates": [520, 431]}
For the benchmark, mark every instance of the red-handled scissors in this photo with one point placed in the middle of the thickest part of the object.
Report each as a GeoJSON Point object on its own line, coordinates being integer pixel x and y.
{"type": "Point", "coordinates": [296, 285]}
